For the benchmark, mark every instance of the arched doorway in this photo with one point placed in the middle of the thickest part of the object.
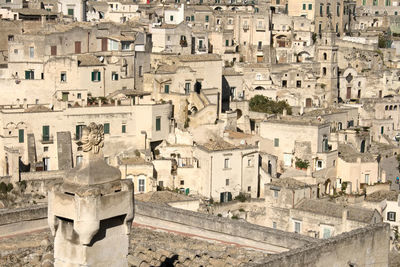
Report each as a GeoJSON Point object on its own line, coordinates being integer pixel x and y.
{"type": "Point", "coordinates": [308, 102]}
{"type": "Point", "coordinates": [197, 87]}
{"type": "Point", "coordinates": [327, 186]}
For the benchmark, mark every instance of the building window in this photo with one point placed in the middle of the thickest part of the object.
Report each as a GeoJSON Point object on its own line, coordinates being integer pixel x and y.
{"type": "Point", "coordinates": [45, 149]}
{"type": "Point", "coordinates": [187, 88]}
{"type": "Point", "coordinates": [259, 46]}
{"type": "Point", "coordinates": [114, 76]}
{"type": "Point", "coordinates": [326, 233]}
{"type": "Point", "coordinates": [226, 42]}
{"type": "Point", "coordinates": [78, 131]}
{"type": "Point", "coordinates": [192, 18]}
{"type": "Point", "coordinates": [309, 6]}
{"type": "Point", "coordinates": [79, 160]}
{"type": "Point", "coordinates": [391, 216]}
{"type": "Point", "coordinates": [53, 50]}
{"type": "Point", "coordinates": [140, 71]}
{"type": "Point", "coordinates": [123, 130]}
{"type": "Point", "coordinates": [171, 18]}
{"type": "Point", "coordinates": [96, 76]}
{"type": "Point", "coordinates": [304, 6]}
{"type": "Point", "coordinates": [46, 133]}
{"type": "Point", "coordinates": [141, 185]}
{"type": "Point", "coordinates": [207, 18]}
{"type": "Point", "coordinates": [21, 135]}
{"type": "Point", "coordinates": [276, 142]}
{"type": "Point", "coordinates": [182, 182]}
{"type": "Point", "coordinates": [297, 227]}
{"type": "Point", "coordinates": [29, 75]}
{"type": "Point", "coordinates": [321, 10]}
{"type": "Point", "coordinates": [226, 182]}
{"type": "Point", "coordinates": [166, 88]}
{"type": "Point", "coordinates": [70, 11]}
{"type": "Point", "coordinates": [63, 77]}
{"type": "Point", "coordinates": [158, 124]}
{"type": "Point", "coordinates": [106, 128]}
{"type": "Point", "coordinates": [276, 193]}
{"type": "Point", "coordinates": [113, 45]}
{"type": "Point", "coordinates": [125, 46]}
{"type": "Point", "coordinates": [248, 188]}
{"type": "Point", "coordinates": [31, 52]}
{"type": "Point", "coordinates": [226, 163]}
{"type": "Point", "coordinates": [249, 163]}
{"type": "Point", "coordinates": [79, 96]}
{"type": "Point", "coordinates": [367, 178]}
{"type": "Point", "coordinates": [65, 96]}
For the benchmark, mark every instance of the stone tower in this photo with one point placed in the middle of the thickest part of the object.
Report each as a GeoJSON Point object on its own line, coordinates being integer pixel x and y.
{"type": "Point", "coordinates": [327, 53]}
{"type": "Point", "coordinates": [90, 212]}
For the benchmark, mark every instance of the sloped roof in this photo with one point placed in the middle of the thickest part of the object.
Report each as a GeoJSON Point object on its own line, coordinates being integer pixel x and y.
{"type": "Point", "coordinates": [289, 183]}
{"type": "Point", "coordinates": [382, 195]}
{"type": "Point", "coordinates": [88, 60]}
{"type": "Point", "coordinates": [331, 209]}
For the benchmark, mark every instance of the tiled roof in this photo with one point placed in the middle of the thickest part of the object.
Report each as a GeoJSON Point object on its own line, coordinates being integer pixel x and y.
{"type": "Point", "coordinates": [88, 60]}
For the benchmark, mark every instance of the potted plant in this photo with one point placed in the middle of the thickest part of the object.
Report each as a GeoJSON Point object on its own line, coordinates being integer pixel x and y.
{"type": "Point", "coordinates": [301, 164]}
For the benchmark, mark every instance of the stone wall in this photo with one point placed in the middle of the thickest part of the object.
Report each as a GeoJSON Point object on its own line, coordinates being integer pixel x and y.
{"type": "Point", "coordinates": [367, 246]}
{"type": "Point", "coordinates": [45, 175]}
{"type": "Point", "coordinates": [23, 214]}
{"type": "Point", "coordinates": [223, 225]}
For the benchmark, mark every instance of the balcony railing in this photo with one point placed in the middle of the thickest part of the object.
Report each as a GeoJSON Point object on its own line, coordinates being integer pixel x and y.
{"type": "Point", "coordinates": [47, 139]}
{"type": "Point", "coordinates": [202, 49]}
{"type": "Point", "coordinates": [260, 28]}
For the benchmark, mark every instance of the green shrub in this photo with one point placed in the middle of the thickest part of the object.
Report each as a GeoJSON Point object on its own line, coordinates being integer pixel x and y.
{"type": "Point", "coordinates": [241, 210]}
{"type": "Point", "coordinates": [3, 188]}
{"type": "Point", "coordinates": [219, 215]}
{"type": "Point", "coordinates": [137, 153]}
{"type": "Point", "coordinates": [260, 103]}
{"type": "Point", "coordinates": [234, 217]}
{"type": "Point", "coordinates": [10, 187]}
{"type": "Point", "coordinates": [241, 197]}
{"type": "Point", "coordinates": [302, 164]}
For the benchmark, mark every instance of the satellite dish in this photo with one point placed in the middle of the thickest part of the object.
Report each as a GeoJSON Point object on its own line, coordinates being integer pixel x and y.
{"type": "Point", "coordinates": [101, 58]}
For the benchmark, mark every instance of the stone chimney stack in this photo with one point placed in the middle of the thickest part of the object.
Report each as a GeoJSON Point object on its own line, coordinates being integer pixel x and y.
{"type": "Point", "coordinates": [90, 212]}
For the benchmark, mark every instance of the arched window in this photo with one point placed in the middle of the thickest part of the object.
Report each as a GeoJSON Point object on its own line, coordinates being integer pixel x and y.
{"type": "Point", "coordinates": [339, 126]}
{"type": "Point", "coordinates": [325, 56]}
{"type": "Point", "coordinates": [390, 107]}
{"type": "Point", "coordinates": [324, 71]}
{"type": "Point", "coordinates": [395, 107]}
{"type": "Point", "coordinates": [386, 107]}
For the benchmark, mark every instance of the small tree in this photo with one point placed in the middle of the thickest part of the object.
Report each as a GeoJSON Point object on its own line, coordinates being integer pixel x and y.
{"type": "Point", "coordinates": [260, 103]}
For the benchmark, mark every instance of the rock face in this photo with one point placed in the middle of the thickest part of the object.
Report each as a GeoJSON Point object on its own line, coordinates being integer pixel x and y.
{"type": "Point", "coordinates": [90, 212]}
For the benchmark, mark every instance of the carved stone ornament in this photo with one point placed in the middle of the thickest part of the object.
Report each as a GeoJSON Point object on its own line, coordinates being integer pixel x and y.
{"type": "Point", "coordinates": [93, 138]}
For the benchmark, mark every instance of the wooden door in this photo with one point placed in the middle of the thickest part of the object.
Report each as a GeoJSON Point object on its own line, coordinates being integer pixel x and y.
{"type": "Point", "coordinates": [77, 47]}
{"type": "Point", "coordinates": [104, 42]}
{"type": "Point", "coordinates": [348, 95]}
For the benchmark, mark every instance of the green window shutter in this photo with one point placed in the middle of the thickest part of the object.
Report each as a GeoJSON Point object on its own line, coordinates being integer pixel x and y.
{"type": "Point", "coordinates": [46, 133]}
{"type": "Point", "coordinates": [21, 135]}
{"type": "Point", "coordinates": [93, 76]}
{"type": "Point", "coordinates": [77, 132]}
{"type": "Point", "coordinates": [27, 75]}
{"type": "Point", "coordinates": [123, 128]}
{"type": "Point", "coordinates": [226, 42]}
{"type": "Point", "coordinates": [192, 17]}
{"type": "Point", "coordinates": [98, 76]}
{"type": "Point", "coordinates": [304, 6]}
{"type": "Point", "coordinates": [309, 6]}
{"type": "Point", "coordinates": [158, 123]}
{"type": "Point", "coordinates": [166, 88]}
{"type": "Point", "coordinates": [276, 142]}
{"type": "Point", "coordinates": [106, 128]}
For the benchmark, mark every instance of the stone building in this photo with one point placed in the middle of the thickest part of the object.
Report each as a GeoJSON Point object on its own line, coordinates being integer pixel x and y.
{"type": "Point", "coordinates": [40, 144]}
{"type": "Point", "coordinates": [293, 206]}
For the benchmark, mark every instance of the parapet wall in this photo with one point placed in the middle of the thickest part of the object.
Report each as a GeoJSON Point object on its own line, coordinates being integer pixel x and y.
{"type": "Point", "coordinates": [23, 214]}
{"type": "Point", "coordinates": [368, 246]}
{"type": "Point", "coordinates": [223, 225]}
{"type": "Point", "coordinates": [45, 175]}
